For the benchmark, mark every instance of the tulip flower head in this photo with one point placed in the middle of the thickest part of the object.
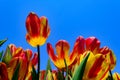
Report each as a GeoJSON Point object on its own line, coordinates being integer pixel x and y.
{"type": "Point", "coordinates": [24, 57]}
{"type": "Point", "coordinates": [62, 53]}
{"type": "Point", "coordinates": [37, 29]}
{"type": "Point", "coordinates": [100, 61]}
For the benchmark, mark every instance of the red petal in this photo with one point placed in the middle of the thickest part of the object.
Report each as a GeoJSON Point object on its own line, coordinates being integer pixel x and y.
{"type": "Point", "coordinates": [50, 51]}
{"type": "Point", "coordinates": [12, 48]}
{"type": "Point", "coordinates": [79, 46]}
{"type": "Point", "coordinates": [3, 71]}
{"type": "Point", "coordinates": [45, 30]}
{"type": "Point", "coordinates": [33, 25]}
{"type": "Point", "coordinates": [105, 50]}
{"type": "Point", "coordinates": [92, 44]}
{"type": "Point", "coordinates": [35, 59]}
{"type": "Point", "coordinates": [62, 49]}
{"type": "Point", "coordinates": [96, 67]}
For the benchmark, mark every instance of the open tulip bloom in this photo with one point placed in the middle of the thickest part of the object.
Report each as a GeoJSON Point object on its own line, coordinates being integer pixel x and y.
{"type": "Point", "coordinates": [86, 61]}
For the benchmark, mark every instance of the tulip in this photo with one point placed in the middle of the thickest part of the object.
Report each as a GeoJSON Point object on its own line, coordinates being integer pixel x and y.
{"type": "Point", "coordinates": [37, 29]}
{"type": "Point", "coordinates": [101, 60]}
{"type": "Point", "coordinates": [24, 57]}
{"type": "Point", "coordinates": [62, 50]}
{"type": "Point", "coordinates": [93, 44]}
{"type": "Point", "coordinates": [37, 32]}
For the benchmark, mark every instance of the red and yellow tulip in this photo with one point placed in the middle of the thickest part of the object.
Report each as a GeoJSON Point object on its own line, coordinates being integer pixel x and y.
{"type": "Point", "coordinates": [24, 57]}
{"type": "Point", "coordinates": [37, 29]}
{"type": "Point", "coordinates": [93, 44]}
{"type": "Point", "coordinates": [63, 50]}
{"type": "Point", "coordinates": [100, 61]}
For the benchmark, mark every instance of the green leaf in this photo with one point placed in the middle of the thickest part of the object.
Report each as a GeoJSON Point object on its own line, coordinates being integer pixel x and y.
{"type": "Point", "coordinates": [2, 42]}
{"type": "Point", "coordinates": [16, 73]}
{"type": "Point", "coordinates": [34, 74]}
{"type": "Point", "coordinates": [80, 70]}
{"type": "Point", "coordinates": [47, 68]}
{"type": "Point", "coordinates": [7, 56]}
{"type": "Point", "coordinates": [1, 53]}
{"type": "Point", "coordinates": [60, 75]}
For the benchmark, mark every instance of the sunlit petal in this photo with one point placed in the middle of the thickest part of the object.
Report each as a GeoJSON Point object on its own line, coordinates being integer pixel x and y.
{"type": "Point", "coordinates": [96, 67]}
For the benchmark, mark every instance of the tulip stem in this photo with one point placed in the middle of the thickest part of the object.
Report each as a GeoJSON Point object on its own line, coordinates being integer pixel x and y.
{"type": "Point", "coordinates": [111, 75]}
{"type": "Point", "coordinates": [38, 50]}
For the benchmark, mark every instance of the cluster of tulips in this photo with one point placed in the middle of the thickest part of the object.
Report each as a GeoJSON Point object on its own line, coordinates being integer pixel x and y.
{"type": "Point", "coordinates": [86, 61]}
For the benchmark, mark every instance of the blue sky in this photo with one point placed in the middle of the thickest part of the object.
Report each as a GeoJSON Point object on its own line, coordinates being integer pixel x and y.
{"type": "Point", "coordinates": [68, 19]}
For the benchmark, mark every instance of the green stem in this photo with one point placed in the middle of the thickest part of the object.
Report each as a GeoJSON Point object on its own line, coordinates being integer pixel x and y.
{"type": "Point", "coordinates": [38, 50]}
{"type": "Point", "coordinates": [111, 75]}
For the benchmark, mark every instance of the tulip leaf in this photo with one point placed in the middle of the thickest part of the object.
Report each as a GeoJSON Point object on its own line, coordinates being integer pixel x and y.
{"type": "Point", "coordinates": [34, 74]}
{"type": "Point", "coordinates": [1, 53]}
{"type": "Point", "coordinates": [2, 42]}
{"type": "Point", "coordinates": [7, 56]}
{"type": "Point", "coordinates": [48, 68]}
{"type": "Point", "coordinates": [16, 73]}
{"type": "Point", "coordinates": [80, 70]}
{"type": "Point", "coordinates": [60, 75]}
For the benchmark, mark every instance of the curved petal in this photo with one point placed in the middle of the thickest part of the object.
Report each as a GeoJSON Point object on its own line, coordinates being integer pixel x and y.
{"type": "Point", "coordinates": [79, 48]}
{"type": "Point", "coordinates": [18, 52]}
{"type": "Point", "coordinates": [35, 59]}
{"type": "Point", "coordinates": [62, 49]}
{"type": "Point", "coordinates": [28, 54]}
{"type": "Point", "coordinates": [50, 51]}
{"type": "Point", "coordinates": [111, 59]}
{"type": "Point", "coordinates": [116, 76]}
{"type": "Point", "coordinates": [3, 71]}
{"type": "Point", "coordinates": [33, 25]}
{"type": "Point", "coordinates": [13, 64]}
{"type": "Point", "coordinates": [96, 67]}
{"type": "Point", "coordinates": [92, 44]}
{"type": "Point", "coordinates": [12, 48]}
{"type": "Point", "coordinates": [45, 29]}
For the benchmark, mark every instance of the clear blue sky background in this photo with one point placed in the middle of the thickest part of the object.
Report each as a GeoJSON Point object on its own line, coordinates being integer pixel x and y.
{"type": "Point", "coordinates": [67, 18]}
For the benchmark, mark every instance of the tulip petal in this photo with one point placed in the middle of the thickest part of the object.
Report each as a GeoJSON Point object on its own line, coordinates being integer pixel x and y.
{"type": "Point", "coordinates": [111, 59]}
{"type": "Point", "coordinates": [33, 25]}
{"type": "Point", "coordinates": [92, 44]}
{"type": "Point", "coordinates": [35, 59]}
{"type": "Point", "coordinates": [116, 76]}
{"type": "Point", "coordinates": [45, 29]}
{"type": "Point", "coordinates": [3, 71]}
{"type": "Point", "coordinates": [96, 67]}
{"type": "Point", "coordinates": [18, 52]}
{"type": "Point", "coordinates": [51, 52]}
{"type": "Point", "coordinates": [28, 54]}
{"type": "Point", "coordinates": [12, 48]}
{"type": "Point", "coordinates": [62, 49]}
{"type": "Point", "coordinates": [13, 64]}
{"type": "Point", "coordinates": [104, 50]}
